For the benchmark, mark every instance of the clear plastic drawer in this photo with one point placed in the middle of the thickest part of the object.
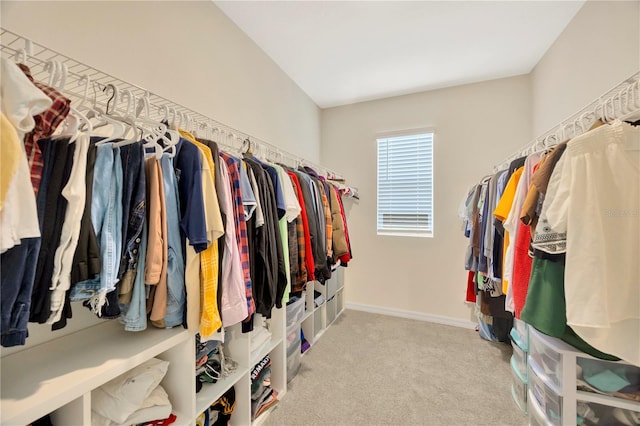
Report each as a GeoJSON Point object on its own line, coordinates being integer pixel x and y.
{"type": "Point", "coordinates": [293, 364]}
{"type": "Point", "coordinates": [542, 350]}
{"type": "Point", "coordinates": [593, 413]}
{"type": "Point", "coordinates": [536, 415]}
{"type": "Point", "coordinates": [295, 311]}
{"type": "Point", "coordinates": [519, 360]}
{"type": "Point", "coordinates": [546, 398]}
{"type": "Point", "coordinates": [293, 338]}
{"type": "Point", "coordinates": [520, 334]}
{"type": "Point", "coordinates": [519, 391]}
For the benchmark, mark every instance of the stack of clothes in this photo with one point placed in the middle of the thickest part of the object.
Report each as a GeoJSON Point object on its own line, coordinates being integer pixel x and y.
{"type": "Point", "coordinates": [220, 412]}
{"type": "Point", "coordinates": [263, 395]}
{"type": "Point", "coordinates": [136, 397]}
{"type": "Point", "coordinates": [211, 363]}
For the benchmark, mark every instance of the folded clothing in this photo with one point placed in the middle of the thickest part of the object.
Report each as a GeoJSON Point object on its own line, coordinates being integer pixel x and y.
{"type": "Point", "coordinates": [221, 410]}
{"type": "Point", "coordinates": [262, 395]}
{"type": "Point", "coordinates": [155, 406]}
{"type": "Point", "coordinates": [118, 399]}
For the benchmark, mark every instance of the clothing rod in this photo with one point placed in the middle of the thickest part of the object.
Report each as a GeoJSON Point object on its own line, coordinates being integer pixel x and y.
{"type": "Point", "coordinates": [38, 56]}
{"type": "Point", "coordinates": [618, 101]}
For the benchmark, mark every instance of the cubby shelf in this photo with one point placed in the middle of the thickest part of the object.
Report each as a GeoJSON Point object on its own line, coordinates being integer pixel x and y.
{"type": "Point", "coordinates": [57, 376]}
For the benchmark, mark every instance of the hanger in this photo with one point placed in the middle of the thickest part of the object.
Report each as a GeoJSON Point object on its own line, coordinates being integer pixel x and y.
{"type": "Point", "coordinates": [632, 111]}
{"type": "Point", "coordinates": [22, 55]}
{"type": "Point", "coordinates": [172, 123]}
{"type": "Point", "coordinates": [247, 143]}
{"type": "Point", "coordinates": [110, 117]}
{"type": "Point", "coordinates": [71, 123]}
{"type": "Point", "coordinates": [164, 112]}
{"type": "Point", "coordinates": [205, 130]}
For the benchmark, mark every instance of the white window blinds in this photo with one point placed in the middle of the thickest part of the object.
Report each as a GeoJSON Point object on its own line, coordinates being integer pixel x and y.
{"type": "Point", "coordinates": [405, 185]}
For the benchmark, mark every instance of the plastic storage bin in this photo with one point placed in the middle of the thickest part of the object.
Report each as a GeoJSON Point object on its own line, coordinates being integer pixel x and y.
{"type": "Point", "coordinates": [519, 387]}
{"type": "Point", "coordinates": [519, 358]}
{"type": "Point", "coordinates": [293, 364]}
{"type": "Point", "coordinates": [590, 373]}
{"type": "Point", "coordinates": [332, 284]}
{"type": "Point", "coordinates": [520, 334]}
{"type": "Point", "coordinates": [542, 350]}
{"type": "Point", "coordinates": [293, 338]}
{"type": "Point", "coordinates": [544, 395]}
{"type": "Point", "coordinates": [536, 416]}
{"type": "Point", "coordinates": [593, 413]}
{"type": "Point", "coordinates": [340, 277]}
{"type": "Point", "coordinates": [295, 311]}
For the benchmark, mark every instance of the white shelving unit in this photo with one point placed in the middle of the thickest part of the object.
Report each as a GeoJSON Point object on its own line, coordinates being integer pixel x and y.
{"type": "Point", "coordinates": [317, 319]}
{"type": "Point", "coordinates": [57, 376]}
{"type": "Point", "coordinates": [552, 390]}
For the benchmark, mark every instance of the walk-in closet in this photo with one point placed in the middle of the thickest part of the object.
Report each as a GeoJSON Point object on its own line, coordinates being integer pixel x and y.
{"type": "Point", "coordinates": [319, 213]}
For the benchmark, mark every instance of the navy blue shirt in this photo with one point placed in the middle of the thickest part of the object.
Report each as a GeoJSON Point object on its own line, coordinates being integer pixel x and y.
{"type": "Point", "coordinates": [188, 167]}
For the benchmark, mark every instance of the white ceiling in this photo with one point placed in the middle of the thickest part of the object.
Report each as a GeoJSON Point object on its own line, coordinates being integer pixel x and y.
{"type": "Point", "coordinates": [341, 52]}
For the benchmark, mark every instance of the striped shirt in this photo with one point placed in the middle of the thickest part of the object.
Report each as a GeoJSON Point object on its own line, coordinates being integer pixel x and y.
{"type": "Point", "coordinates": [46, 124]}
{"type": "Point", "coordinates": [241, 227]}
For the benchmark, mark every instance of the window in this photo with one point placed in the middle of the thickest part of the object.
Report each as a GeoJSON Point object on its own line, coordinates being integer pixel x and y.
{"type": "Point", "coordinates": [405, 185]}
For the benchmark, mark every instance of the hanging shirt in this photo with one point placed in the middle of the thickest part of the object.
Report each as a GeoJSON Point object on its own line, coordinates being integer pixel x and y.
{"type": "Point", "coordinates": [502, 212]}
{"type": "Point", "coordinates": [517, 252]}
{"type": "Point", "coordinates": [210, 316]}
{"type": "Point", "coordinates": [309, 223]}
{"type": "Point", "coordinates": [292, 206]}
{"type": "Point", "coordinates": [248, 197]}
{"type": "Point", "coordinates": [46, 124]}
{"type": "Point", "coordinates": [176, 297]}
{"type": "Point", "coordinates": [106, 218]}
{"type": "Point", "coordinates": [284, 231]}
{"type": "Point", "coordinates": [21, 101]}
{"type": "Point", "coordinates": [594, 198]}
{"type": "Point", "coordinates": [233, 308]}
{"type": "Point", "coordinates": [75, 194]}
{"type": "Point", "coordinates": [259, 219]}
{"type": "Point", "coordinates": [269, 277]}
{"type": "Point", "coordinates": [10, 152]}
{"type": "Point", "coordinates": [498, 230]}
{"type": "Point", "coordinates": [345, 258]}
{"type": "Point", "coordinates": [328, 227]}
{"type": "Point", "coordinates": [338, 236]}
{"type": "Point", "coordinates": [188, 168]}
{"type": "Point", "coordinates": [241, 227]}
{"type": "Point", "coordinates": [158, 246]}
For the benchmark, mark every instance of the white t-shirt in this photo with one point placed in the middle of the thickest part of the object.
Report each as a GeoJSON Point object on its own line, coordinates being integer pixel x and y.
{"type": "Point", "coordinates": [293, 208]}
{"type": "Point", "coordinates": [20, 101]}
{"type": "Point", "coordinates": [594, 197]}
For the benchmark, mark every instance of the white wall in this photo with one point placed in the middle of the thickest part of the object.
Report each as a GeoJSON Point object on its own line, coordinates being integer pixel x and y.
{"type": "Point", "coordinates": [187, 51]}
{"type": "Point", "coordinates": [599, 48]}
{"type": "Point", "coordinates": [476, 126]}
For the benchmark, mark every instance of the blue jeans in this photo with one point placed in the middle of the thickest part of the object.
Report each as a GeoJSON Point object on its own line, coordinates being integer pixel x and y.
{"type": "Point", "coordinates": [133, 204]}
{"type": "Point", "coordinates": [176, 296]}
{"type": "Point", "coordinates": [18, 266]}
{"type": "Point", "coordinates": [106, 217]}
{"type": "Point", "coordinates": [134, 314]}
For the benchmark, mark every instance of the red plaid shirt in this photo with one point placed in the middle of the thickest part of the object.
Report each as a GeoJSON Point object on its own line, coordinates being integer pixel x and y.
{"type": "Point", "coordinates": [241, 227]}
{"type": "Point", "coordinates": [46, 124]}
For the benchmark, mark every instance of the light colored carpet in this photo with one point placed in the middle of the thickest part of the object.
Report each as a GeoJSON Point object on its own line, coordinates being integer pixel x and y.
{"type": "Point", "coordinates": [370, 369]}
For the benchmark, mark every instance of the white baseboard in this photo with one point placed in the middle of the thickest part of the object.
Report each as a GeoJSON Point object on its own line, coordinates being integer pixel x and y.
{"type": "Point", "coordinates": [438, 319]}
